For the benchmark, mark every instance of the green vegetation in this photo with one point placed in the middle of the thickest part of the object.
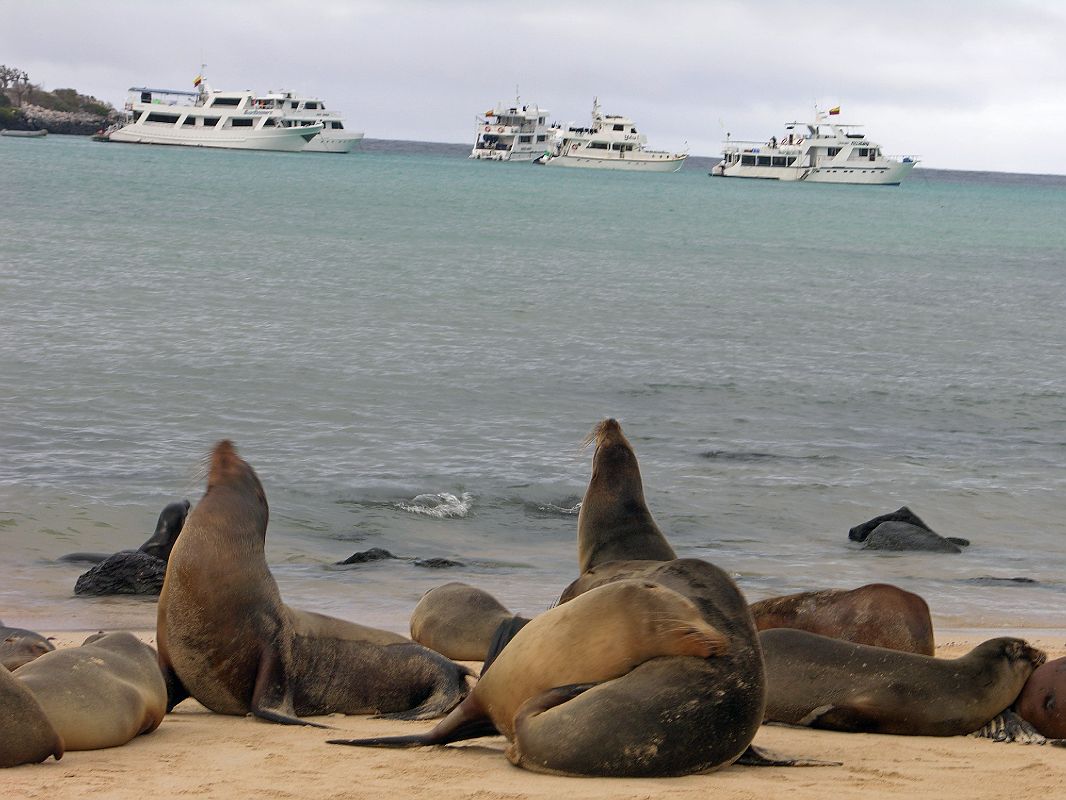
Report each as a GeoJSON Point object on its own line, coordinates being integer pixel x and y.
{"type": "Point", "coordinates": [16, 89]}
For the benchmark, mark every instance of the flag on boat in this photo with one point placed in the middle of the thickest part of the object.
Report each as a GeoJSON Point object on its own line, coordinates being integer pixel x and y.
{"type": "Point", "coordinates": [834, 111]}
{"type": "Point", "coordinates": [199, 79]}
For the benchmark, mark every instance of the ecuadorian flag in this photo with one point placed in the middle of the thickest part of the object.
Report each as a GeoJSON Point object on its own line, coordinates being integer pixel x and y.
{"type": "Point", "coordinates": [198, 80]}
{"type": "Point", "coordinates": [834, 111]}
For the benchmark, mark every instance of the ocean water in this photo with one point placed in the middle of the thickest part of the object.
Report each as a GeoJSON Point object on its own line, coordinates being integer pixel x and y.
{"type": "Point", "coordinates": [409, 347]}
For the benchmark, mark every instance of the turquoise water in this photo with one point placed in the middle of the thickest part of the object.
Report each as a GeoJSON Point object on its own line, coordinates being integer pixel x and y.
{"type": "Point", "coordinates": [409, 348]}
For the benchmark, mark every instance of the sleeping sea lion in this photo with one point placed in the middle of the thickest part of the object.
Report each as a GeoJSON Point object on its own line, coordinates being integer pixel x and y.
{"type": "Point", "coordinates": [26, 735]}
{"type": "Point", "coordinates": [827, 683]}
{"type": "Point", "coordinates": [19, 646]}
{"type": "Point", "coordinates": [226, 638]}
{"type": "Point", "coordinates": [877, 614]}
{"type": "Point", "coordinates": [102, 694]}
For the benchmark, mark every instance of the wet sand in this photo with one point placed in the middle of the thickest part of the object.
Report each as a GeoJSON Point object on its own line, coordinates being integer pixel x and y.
{"type": "Point", "coordinates": [196, 753]}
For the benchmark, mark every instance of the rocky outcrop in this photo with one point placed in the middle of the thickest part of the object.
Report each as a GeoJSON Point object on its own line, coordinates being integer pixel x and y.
{"type": "Point", "coordinates": [76, 123]}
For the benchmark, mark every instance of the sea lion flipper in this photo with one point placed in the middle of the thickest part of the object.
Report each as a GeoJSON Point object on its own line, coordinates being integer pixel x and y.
{"type": "Point", "coordinates": [505, 632]}
{"type": "Point", "coordinates": [757, 757]}
{"type": "Point", "coordinates": [271, 696]}
{"type": "Point", "coordinates": [176, 691]}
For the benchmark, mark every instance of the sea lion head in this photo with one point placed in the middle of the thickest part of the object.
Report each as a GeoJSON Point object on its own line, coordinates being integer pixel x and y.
{"type": "Point", "coordinates": [671, 617]}
{"type": "Point", "coordinates": [614, 464]}
{"type": "Point", "coordinates": [167, 528]}
{"type": "Point", "coordinates": [230, 479]}
{"type": "Point", "coordinates": [1020, 651]}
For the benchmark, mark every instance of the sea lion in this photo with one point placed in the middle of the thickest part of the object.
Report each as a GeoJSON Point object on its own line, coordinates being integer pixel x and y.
{"type": "Point", "coordinates": [1042, 702]}
{"type": "Point", "coordinates": [827, 683]}
{"type": "Point", "coordinates": [681, 715]}
{"type": "Point", "coordinates": [614, 523]}
{"type": "Point", "coordinates": [226, 638]}
{"type": "Point", "coordinates": [19, 646]}
{"type": "Point", "coordinates": [598, 637]}
{"type": "Point", "coordinates": [458, 621]}
{"type": "Point", "coordinates": [902, 529]}
{"type": "Point", "coordinates": [26, 735]}
{"type": "Point", "coordinates": [877, 614]}
{"type": "Point", "coordinates": [102, 694]}
{"type": "Point", "coordinates": [159, 544]}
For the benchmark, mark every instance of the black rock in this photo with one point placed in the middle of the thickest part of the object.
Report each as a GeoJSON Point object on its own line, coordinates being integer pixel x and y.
{"type": "Point", "coordinates": [125, 572]}
{"type": "Point", "coordinates": [904, 536]}
{"type": "Point", "coordinates": [373, 554]}
{"type": "Point", "coordinates": [437, 563]}
{"type": "Point", "coordinates": [904, 514]}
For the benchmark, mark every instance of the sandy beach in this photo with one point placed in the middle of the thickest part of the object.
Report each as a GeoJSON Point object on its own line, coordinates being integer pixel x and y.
{"type": "Point", "coordinates": [196, 753]}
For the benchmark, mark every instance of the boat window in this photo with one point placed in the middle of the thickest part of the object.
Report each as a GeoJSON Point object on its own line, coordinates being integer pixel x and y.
{"type": "Point", "coordinates": [146, 97]}
{"type": "Point", "coordinates": [597, 145]}
{"type": "Point", "coordinates": [748, 160]}
{"type": "Point", "coordinates": [337, 126]}
{"type": "Point", "coordinates": [779, 161]}
{"type": "Point", "coordinates": [242, 122]}
{"type": "Point", "coordinates": [226, 101]}
{"type": "Point", "coordinates": [863, 152]}
{"type": "Point", "coordinates": [541, 138]}
{"type": "Point", "coordinates": [525, 139]}
{"type": "Point", "coordinates": [156, 116]}
{"type": "Point", "coordinates": [763, 161]}
{"type": "Point", "coordinates": [210, 122]}
{"type": "Point", "coordinates": [619, 127]}
{"type": "Point", "coordinates": [791, 160]}
{"type": "Point", "coordinates": [270, 123]}
{"type": "Point", "coordinates": [832, 151]}
{"type": "Point", "coordinates": [189, 120]}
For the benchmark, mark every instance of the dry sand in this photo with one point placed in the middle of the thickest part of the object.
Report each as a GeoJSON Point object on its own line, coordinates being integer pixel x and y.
{"type": "Point", "coordinates": [196, 753]}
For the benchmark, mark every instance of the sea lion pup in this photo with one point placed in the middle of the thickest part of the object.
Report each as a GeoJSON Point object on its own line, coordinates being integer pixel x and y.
{"type": "Point", "coordinates": [226, 638]}
{"type": "Point", "coordinates": [1042, 702]}
{"type": "Point", "coordinates": [600, 636]}
{"type": "Point", "coordinates": [877, 614]}
{"type": "Point", "coordinates": [458, 621]}
{"type": "Point", "coordinates": [614, 523]}
{"type": "Point", "coordinates": [102, 694]}
{"type": "Point", "coordinates": [827, 683]}
{"type": "Point", "coordinates": [19, 646]}
{"type": "Point", "coordinates": [26, 735]}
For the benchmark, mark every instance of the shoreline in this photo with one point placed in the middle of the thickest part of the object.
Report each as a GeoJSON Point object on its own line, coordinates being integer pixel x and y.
{"type": "Point", "coordinates": [200, 753]}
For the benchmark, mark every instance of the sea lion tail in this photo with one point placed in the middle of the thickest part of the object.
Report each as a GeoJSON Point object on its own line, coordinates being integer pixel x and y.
{"type": "Point", "coordinates": [471, 729]}
{"type": "Point", "coordinates": [756, 757]}
{"type": "Point", "coordinates": [451, 689]}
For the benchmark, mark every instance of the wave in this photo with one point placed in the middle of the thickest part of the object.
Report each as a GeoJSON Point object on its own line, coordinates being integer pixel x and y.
{"type": "Point", "coordinates": [755, 455]}
{"type": "Point", "coordinates": [442, 505]}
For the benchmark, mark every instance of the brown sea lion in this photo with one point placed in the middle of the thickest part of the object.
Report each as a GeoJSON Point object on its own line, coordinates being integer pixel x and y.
{"type": "Point", "coordinates": [1042, 702]}
{"type": "Point", "coordinates": [877, 614]}
{"type": "Point", "coordinates": [827, 683]}
{"type": "Point", "coordinates": [26, 735]}
{"type": "Point", "coordinates": [102, 694]}
{"type": "Point", "coordinates": [614, 523]}
{"type": "Point", "coordinates": [600, 636]}
{"type": "Point", "coordinates": [226, 638]}
{"type": "Point", "coordinates": [458, 621]}
{"type": "Point", "coordinates": [19, 646]}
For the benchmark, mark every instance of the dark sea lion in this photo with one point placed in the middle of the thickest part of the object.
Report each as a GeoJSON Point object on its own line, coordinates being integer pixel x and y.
{"type": "Point", "coordinates": [827, 683]}
{"type": "Point", "coordinates": [596, 638]}
{"type": "Point", "coordinates": [902, 529]}
{"type": "Point", "coordinates": [1042, 702]}
{"type": "Point", "coordinates": [19, 646]}
{"type": "Point", "coordinates": [458, 621]}
{"type": "Point", "coordinates": [614, 523]}
{"type": "Point", "coordinates": [159, 544]}
{"type": "Point", "coordinates": [226, 638]}
{"type": "Point", "coordinates": [102, 694]}
{"type": "Point", "coordinates": [877, 614]}
{"type": "Point", "coordinates": [26, 735]}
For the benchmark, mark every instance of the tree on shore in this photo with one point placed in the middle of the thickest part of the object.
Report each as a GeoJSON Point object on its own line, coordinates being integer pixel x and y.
{"type": "Point", "coordinates": [18, 81]}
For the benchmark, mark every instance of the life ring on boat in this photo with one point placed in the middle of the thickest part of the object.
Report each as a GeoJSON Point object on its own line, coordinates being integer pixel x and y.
{"type": "Point", "coordinates": [488, 129]}
{"type": "Point", "coordinates": [499, 129]}
{"type": "Point", "coordinates": [573, 147]}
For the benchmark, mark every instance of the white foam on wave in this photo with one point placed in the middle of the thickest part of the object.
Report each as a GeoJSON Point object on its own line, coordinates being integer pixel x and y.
{"type": "Point", "coordinates": [442, 505]}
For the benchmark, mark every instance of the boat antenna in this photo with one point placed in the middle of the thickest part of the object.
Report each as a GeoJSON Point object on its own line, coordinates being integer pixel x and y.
{"type": "Point", "coordinates": [517, 101]}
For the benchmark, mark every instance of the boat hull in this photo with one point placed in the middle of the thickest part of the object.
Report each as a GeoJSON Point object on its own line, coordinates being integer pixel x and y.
{"type": "Point", "coordinates": [324, 143]}
{"type": "Point", "coordinates": [37, 134]}
{"type": "Point", "coordinates": [627, 164]}
{"type": "Point", "coordinates": [890, 174]}
{"type": "Point", "coordinates": [289, 140]}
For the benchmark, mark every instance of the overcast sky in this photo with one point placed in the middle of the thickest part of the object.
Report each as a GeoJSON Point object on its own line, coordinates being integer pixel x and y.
{"type": "Point", "coordinates": [962, 85]}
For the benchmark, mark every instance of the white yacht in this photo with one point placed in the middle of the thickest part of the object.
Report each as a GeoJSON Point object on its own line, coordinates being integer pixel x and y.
{"type": "Point", "coordinates": [301, 111]}
{"type": "Point", "coordinates": [612, 142]}
{"type": "Point", "coordinates": [206, 118]}
{"type": "Point", "coordinates": [822, 151]}
{"type": "Point", "coordinates": [514, 133]}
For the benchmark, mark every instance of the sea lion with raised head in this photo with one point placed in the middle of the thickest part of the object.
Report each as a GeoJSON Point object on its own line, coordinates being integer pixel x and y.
{"type": "Point", "coordinates": [600, 636]}
{"type": "Point", "coordinates": [877, 614]}
{"type": "Point", "coordinates": [26, 735]}
{"type": "Point", "coordinates": [19, 646]}
{"type": "Point", "coordinates": [458, 621]}
{"type": "Point", "coordinates": [159, 544]}
{"type": "Point", "coordinates": [226, 638]}
{"type": "Point", "coordinates": [820, 682]}
{"type": "Point", "coordinates": [102, 694]}
{"type": "Point", "coordinates": [614, 523]}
